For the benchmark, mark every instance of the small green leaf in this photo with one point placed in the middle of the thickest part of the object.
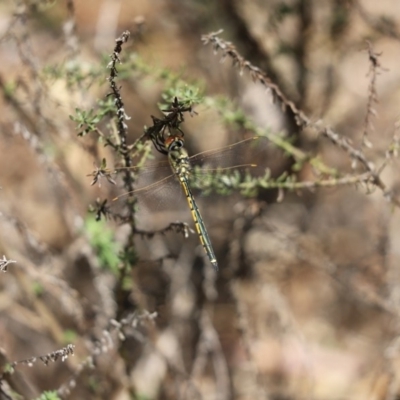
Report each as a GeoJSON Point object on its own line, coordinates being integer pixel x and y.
{"type": "Point", "coordinates": [102, 240]}
{"type": "Point", "coordinates": [49, 396]}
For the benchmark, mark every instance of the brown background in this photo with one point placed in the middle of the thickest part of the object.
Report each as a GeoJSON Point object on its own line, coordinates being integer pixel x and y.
{"type": "Point", "coordinates": [306, 302]}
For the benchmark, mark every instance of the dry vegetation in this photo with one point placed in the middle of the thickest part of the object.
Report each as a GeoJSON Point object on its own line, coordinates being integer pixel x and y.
{"type": "Point", "coordinates": [104, 299]}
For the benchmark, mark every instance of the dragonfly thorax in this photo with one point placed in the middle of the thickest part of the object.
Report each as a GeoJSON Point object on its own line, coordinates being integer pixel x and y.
{"type": "Point", "coordinates": [179, 158]}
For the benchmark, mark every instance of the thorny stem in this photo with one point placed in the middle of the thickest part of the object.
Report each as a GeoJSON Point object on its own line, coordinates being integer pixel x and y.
{"type": "Point", "coordinates": [360, 156]}
{"type": "Point", "coordinates": [124, 150]}
{"type": "Point", "coordinates": [172, 120]}
{"type": "Point", "coordinates": [229, 50]}
{"type": "Point", "coordinates": [375, 68]}
{"type": "Point", "coordinates": [178, 227]}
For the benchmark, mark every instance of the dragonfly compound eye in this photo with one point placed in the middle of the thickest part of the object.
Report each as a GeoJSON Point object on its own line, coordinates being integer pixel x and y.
{"type": "Point", "coordinates": [175, 145]}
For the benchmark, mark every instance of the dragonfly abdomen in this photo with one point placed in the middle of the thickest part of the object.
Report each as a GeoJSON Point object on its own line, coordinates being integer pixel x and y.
{"type": "Point", "coordinates": [198, 222]}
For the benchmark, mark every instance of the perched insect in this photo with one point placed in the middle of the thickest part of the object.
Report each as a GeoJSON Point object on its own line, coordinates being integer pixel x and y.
{"type": "Point", "coordinates": [179, 161]}
{"type": "Point", "coordinates": [185, 171]}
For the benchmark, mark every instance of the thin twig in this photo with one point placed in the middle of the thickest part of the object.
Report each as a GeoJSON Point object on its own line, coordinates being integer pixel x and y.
{"type": "Point", "coordinates": [229, 50]}
{"type": "Point", "coordinates": [374, 70]}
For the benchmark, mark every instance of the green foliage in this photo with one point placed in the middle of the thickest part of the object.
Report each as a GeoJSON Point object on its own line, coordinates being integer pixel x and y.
{"type": "Point", "coordinates": [49, 395]}
{"type": "Point", "coordinates": [220, 181]}
{"type": "Point", "coordinates": [101, 238]}
{"type": "Point", "coordinates": [87, 121]}
{"type": "Point", "coordinates": [129, 256]}
{"type": "Point", "coordinates": [9, 88]}
{"type": "Point", "coordinates": [75, 74]}
{"type": "Point", "coordinates": [8, 369]}
{"type": "Point", "coordinates": [69, 336]}
{"type": "Point", "coordinates": [188, 94]}
{"type": "Point", "coordinates": [37, 288]}
{"type": "Point", "coordinates": [236, 118]}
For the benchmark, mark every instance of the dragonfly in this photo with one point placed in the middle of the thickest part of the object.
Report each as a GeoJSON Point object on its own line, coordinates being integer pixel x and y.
{"type": "Point", "coordinates": [178, 159]}
{"type": "Point", "coordinates": [181, 166]}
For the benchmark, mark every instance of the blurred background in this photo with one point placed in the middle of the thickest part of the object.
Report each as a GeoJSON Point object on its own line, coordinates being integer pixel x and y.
{"type": "Point", "coordinates": [306, 302]}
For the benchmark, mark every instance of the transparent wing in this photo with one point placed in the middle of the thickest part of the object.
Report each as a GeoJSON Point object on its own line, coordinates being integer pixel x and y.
{"type": "Point", "coordinates": [158, 189]}
{"type": "Point", "coordinates": [240, 155]}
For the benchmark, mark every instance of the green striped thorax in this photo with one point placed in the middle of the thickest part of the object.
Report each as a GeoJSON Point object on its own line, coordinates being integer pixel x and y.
{"type": "Point", "coordinates": [178, 156]}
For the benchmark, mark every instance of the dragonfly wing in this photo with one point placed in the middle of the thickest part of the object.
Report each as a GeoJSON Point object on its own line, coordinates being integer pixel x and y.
{"type": "Point", "coordinates": [245, 152]}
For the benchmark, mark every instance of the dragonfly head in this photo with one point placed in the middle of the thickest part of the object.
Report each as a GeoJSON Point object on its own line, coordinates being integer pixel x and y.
{"type": "Point", "coordinates": [174, 142]}
{"type": "Point", "coordinates": [163, 138]}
